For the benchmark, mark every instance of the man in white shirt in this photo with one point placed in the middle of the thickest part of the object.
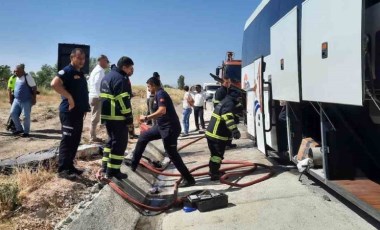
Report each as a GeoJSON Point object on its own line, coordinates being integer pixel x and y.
{"type": "Point", "coordinates": [24, 98]}
{"type": "Point", "coordinates": [187, 103]}
{"type": "Point", "coordinates": [199, 105]}
{"type": "Point", "coordinates": [94, 81]}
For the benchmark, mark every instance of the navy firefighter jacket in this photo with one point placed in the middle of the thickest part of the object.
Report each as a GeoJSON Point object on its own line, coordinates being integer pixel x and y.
{"type": "Point", "coordinates": [115, 92]}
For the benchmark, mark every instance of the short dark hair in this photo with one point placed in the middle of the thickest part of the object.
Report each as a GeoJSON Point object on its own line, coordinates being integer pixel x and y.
{"type": "Point", "coordinates": [153, 81]}
{"type": "Point", "coordinates": [186, 88]}
{"type": "Point", "coordinates": [102, 56]}
{"type": "Point", "coordinates": [124, 61]}
{"type": "Point", "coordinates": [156, 74]}
{"type": "Point", "coordinates": [75, 51]}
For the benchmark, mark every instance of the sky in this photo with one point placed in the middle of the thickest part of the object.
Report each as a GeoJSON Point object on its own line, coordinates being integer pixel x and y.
{"type": "Point", "coordinates": [172, 37]}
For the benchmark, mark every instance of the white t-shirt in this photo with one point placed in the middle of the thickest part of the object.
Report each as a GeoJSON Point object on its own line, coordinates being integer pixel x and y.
{"type": "Point", "coordinates": [199, 99]}
{"type": "Point", "coordinates": [30, 79]}
{"type": "Point", "coordinates": [94, 81]}
{"type": "Point", "coordinates": [185, 103]}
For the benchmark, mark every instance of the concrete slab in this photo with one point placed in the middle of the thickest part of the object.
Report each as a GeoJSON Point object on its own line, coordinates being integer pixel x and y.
{"type": "Point", "coordinates": [107, 211]}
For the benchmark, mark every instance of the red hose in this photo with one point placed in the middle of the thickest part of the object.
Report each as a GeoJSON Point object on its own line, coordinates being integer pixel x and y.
{"type": "Point", "coordinates": [124, 195]}
{"type": "Point", "coordinates": [223, 179]}
{"type": "Point", "coordinates": [237, 165]}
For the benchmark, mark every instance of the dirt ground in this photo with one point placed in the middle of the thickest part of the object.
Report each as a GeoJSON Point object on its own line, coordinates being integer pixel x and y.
{"type": "Point", "coordinates": [45, 126]}
{"type": "Point", "coordinates": [53, 199]}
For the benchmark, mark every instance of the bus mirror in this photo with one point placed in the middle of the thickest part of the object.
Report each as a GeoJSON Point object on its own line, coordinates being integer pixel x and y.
{"type": "Point", "coordinates": [264, 65]}
{"type": "Point", "coordinates": [217, 71]}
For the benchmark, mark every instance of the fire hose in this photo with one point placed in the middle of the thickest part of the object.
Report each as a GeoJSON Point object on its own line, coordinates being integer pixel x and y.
{"type": "Point", "coordinates": [245, 166]}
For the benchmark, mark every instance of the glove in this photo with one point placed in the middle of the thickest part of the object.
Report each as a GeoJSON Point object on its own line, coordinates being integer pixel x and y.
{"type": "Point", "coordinates": [129, 120]}
{"type": "Point", "coordinates": [236, 134]}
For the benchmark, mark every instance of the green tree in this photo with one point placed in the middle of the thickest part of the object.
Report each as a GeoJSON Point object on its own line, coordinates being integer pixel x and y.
{"type": "Point", "coordinates": [45, 75]}
{"type": "Point", "coordinates": [181, 82]}
{"type": "Point", "coordinates": [5, 73]}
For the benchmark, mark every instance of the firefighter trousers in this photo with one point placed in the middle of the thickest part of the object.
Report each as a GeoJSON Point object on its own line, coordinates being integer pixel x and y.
{"type": "Point", "coordinates": [72, 125]}
{"type": "Point", "coordinates": [217, 149]}
{"type": "Point", "coordinates": [169, 137]}
{"type": "Point", "coordinates": [113, 153]}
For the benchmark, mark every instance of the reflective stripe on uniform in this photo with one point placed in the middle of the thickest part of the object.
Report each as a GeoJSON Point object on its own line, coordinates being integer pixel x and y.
{"type": "Point", "coordinates": [216, 159]}
{"type": "Point", "coordinates": [106, 150]}
{"type": "Point", "coordinates": [112, 166]}
{"type": "Point", "coordinates": [216, 116]}
{"type": "Point", "coordinates": [113, 118]}
{"type": "Point", "coordinates": [124, 109]}
{"type": "Point", "coordinates": [215, 101]}
{"type": "Point", "coordinates": [105, 159]}
{"type": "Point", "coordinates": [116, 157]}
{"type": "Point", "coordinates": [230, 121]}
{"type": "Point", "coordinates": [120, 96]}
{"type": "Point", "coordinates": [112, 97]}
{"type": "Point", "coordinates": [113, 107]}
{"type": "Point", "coordinates": [232, 127]}
{"type": "Point", "coordinates": [225, 116]}
{"type": "Point", "coordinates": [106, 95]}
{"type": "Point", "coordinates": [216, 136]}
{"type": "Point", "coordinates": [216, 126]}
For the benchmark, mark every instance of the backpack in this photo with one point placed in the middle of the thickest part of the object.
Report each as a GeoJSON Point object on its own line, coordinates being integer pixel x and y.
{"type": "Point", "coordinates": [31, 90]}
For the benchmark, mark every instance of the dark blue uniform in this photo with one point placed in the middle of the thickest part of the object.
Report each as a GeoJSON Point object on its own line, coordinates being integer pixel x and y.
{"type": "Point", "coordinates": [72, 121]}
{"type": "Point", "coordinates": [168, 129]}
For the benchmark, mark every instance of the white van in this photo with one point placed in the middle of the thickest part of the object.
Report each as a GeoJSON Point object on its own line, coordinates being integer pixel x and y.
{"type": "Point", "coordinates": [210, 89]}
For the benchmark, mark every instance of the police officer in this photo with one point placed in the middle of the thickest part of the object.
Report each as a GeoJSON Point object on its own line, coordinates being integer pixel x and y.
{"type": "Point", "coordinates": [168, 129]}
{"type": "Point", "coordinates": [115, 92]}
{"type": "Point", "coordinates": [220, 94]}
{"type": "Point", "coordinates": [221, 127]}
{"type": "Point", "coordinates": [71, 84]}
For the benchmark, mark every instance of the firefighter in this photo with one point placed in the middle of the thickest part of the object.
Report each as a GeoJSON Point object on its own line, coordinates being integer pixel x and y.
{"type": "Point", "coordinates": [167, 128]}
{"type": "Point", "coordinates": [220, 94]}
{"type": "Point", "coordinates": [116, 115]}
{"type": "Point", "coordinates": [71, 84]}
{"type": "Point", "coordinates": [221, 128]}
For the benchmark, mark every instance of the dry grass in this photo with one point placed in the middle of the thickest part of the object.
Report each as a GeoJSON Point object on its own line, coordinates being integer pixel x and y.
{"type": "Point", "coordinates": [30, 179]}
{"type": "Point", "coordinates": [8, 194]}
{"type": "Point", "coordinates": [7, 225]}
{"type": "Point", "coordinates": [46, 97]}
{"type": "Point", "coordinates": [175, 94]}
{"type": "Point", "coordinates": [4, 102]}
{"type": "Point", "coordinates": [24, 180]}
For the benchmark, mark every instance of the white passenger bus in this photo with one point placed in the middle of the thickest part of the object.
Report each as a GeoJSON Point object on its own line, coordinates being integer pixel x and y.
{"type": "Point", "coordinates": [314, 71]}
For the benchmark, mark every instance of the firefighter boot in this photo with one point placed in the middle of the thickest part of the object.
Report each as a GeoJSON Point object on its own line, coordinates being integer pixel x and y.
{"type": "Point", "coordinates": [106, 151]}
{"type": "Point", "coordinates": [214, 171]}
